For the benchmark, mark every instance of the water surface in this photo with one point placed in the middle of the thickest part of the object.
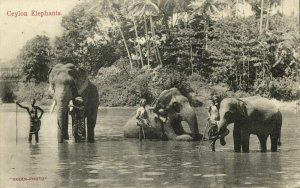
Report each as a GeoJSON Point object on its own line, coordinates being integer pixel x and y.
{"type": "Point", "coordinates": [114, 161]}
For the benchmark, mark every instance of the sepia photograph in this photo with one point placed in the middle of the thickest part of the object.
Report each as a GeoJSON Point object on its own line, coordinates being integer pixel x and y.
{"type": "Point", "coordinates": [149, 93]}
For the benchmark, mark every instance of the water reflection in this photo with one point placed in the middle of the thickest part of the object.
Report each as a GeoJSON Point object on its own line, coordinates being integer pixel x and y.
{"type": "Point", "coordinates": [35, 152]}
{"type": "Point", "coordinates": [114, 161]}
{"type": "Point", "coordinates": [64, 168]}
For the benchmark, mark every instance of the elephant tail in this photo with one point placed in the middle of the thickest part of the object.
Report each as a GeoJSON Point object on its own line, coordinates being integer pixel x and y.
{"type": "Point", "coordinates": [279, 142]}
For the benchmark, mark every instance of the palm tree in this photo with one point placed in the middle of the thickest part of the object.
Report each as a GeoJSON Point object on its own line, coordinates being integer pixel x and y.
{"type": "Point", "coordinates": [133, 18]}
{"type": "Point", "coordinates": [261, 16]}
{"type": "Point", "coordinates": [107, 8]}
{"type": "Point", "coordinates": [144, 9]}
{"type": "Point", "coordinates": [206, 8]}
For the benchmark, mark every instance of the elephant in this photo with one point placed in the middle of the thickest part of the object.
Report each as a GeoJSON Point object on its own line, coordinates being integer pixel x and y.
{"type": "Point", "coordinates": [174, 108]}
{"type": "Point", "coordinates": [251, 115]}
{"type": "Point", "coordinates": [66, 81]}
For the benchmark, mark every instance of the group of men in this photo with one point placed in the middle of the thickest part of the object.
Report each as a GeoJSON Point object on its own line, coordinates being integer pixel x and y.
{"type": "Point", "coordinates": [76, 110]}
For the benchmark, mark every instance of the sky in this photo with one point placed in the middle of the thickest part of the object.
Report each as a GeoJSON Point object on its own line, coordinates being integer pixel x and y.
{"type": "Point", "coordinates": [15, 31]}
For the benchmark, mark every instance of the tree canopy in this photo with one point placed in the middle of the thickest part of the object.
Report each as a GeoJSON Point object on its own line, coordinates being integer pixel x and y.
{"type": "Point", "coordinates": [35, 59]}
{"type": "Point", "coordinates": [252, 54]}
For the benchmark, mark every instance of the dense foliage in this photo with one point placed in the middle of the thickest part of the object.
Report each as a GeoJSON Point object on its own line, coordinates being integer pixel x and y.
{"type": "Point", "coordinates": [137, 49]}
{"type": "Point", "coordinates": [35, 59]}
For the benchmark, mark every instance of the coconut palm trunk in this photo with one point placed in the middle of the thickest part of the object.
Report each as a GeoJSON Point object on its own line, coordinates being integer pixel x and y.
{"type": "Point", "coordinates": [155, 45]}
{"type": "Point", "coordinates": [268, 15]}
{"type": "Point", "coordinates": [139, 46]}
{"type": "Point", "coordinates": [261, 16]}
{"type": "Point", "coordinates": [147, 41]}
{"type": "Point", "coordinates": [123, 38]}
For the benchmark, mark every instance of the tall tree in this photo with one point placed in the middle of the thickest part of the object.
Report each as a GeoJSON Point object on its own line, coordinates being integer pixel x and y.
{"type": "Point", "coordinates": [207, 8]}
{"type": "Point", "coordinates": [111, 8]}
{"type": "Point", "coordinates": [147, 9]}
{"type": "Point", "coordinates": [35, 58]}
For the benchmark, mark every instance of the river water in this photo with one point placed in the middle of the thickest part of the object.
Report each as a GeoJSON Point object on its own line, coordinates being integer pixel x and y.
{"type": "Point", "coordinates": [114, 161]}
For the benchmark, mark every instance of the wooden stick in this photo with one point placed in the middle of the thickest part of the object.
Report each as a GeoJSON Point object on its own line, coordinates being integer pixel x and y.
{"type": "Point", "coordinates": [16, 123]}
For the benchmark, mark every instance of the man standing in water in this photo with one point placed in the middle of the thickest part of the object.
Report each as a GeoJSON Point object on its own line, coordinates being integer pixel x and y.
{"type": "Point", "coordinates": [213, 118]}
{"type": "Point", "coordinates": [78, 119]}
{"type": "Point", "coordinates": [142, 117]}
{"type": "Point", "coordinates": [35, 120]}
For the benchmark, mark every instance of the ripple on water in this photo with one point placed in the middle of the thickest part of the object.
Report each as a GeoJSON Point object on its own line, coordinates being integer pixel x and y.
{"type": "Point", "coordinates": [143, 166]}
{"type": "Point", "coordinates": [213, 175]}
{"type": "Point", "coordinates": [145, 179]}
{"type": "Point", "coordinates": [93, 171]}
{"type": "Point", "coordinates": [95, 166]}
{"type": "Point", "coordinates": [197, 175]}
{"type": "Point", "coordinates": [100, 180]}
{"type": "Point", "coordinates": [187, 163]}
{"type": "Point", "coordinates": [123, 171]}
{"type": "Point", "coordinates": [153, 173]}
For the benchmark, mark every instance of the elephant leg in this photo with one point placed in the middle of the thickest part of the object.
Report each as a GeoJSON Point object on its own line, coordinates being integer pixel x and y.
{"type": "Point", "coordinates": [276, 133]}
{"type": "Point", "coordinates": [237, 138]}
{"type": "Point", "coordinates": [66, 132]}
{"type": "Point", "coordinates": [274, 143]}
{"type": "Point", "coordinates": [263, 142]}
{"type": "Point", "coordinates": [60, 136]}
{"type": "Point", "coordinates": [90, 131]}
{"type": "Point", "coordinates": [177, 127]}
{"type": "Point", "coordinates": [30, 137]}
{"type": "Point", "coordinates": [91, 122]}
{"type": "Point", "coordinates": [245, 141]}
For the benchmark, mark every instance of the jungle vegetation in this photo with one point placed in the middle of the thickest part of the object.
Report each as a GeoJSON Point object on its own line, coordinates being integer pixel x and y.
{"type": "Point", "coordinates": [135, 49]}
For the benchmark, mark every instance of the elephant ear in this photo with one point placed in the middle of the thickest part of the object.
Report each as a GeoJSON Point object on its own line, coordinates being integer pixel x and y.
{"type": "Point", "coordinates": [241, 108]}
{"type": "Point", "coordinates": [53, 71]}
{"type": "Point", "coordinates": [82, 80]}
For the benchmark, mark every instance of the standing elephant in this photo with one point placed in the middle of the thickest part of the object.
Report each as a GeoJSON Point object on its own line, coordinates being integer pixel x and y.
{"type": "Point", "coordinates": [175, 108]}
{"type": "Point", "coordinates": [67, 82]}
{"type": "Point", "coordinates": [251, 115]}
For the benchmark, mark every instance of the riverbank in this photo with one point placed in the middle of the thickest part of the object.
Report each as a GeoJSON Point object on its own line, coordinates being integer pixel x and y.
{"type": "Point", "coordinates": [46, 108]}
{"type": "Point", "coordinates": [289, 106]}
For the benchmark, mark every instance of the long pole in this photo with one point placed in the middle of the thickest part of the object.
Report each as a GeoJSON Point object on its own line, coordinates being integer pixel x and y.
{"type": "Point", "coordinates": [16, 123]}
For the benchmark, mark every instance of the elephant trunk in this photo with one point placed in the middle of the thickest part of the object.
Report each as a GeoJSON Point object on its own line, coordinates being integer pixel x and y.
{"type": "Point", "coordinates": [222, 125]}
{"type": "Point", "coordinates": [188, 115]}
{"type": "Point", "coordinates": [62, 96]}
{"type": "Point", "coordinates": [222, 130]}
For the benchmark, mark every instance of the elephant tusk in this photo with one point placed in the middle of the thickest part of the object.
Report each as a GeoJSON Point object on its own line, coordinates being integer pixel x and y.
{"type": "Point", "coordinates": [53, 106]}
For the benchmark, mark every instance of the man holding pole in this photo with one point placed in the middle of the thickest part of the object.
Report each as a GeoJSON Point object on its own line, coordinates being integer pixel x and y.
{"type": "Point", "coordinates": [142, 117]}
{"type": "Point", "coordinates": [35, 119]}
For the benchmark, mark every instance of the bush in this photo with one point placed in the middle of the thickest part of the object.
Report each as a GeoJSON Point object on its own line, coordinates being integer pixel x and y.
{"type": "Point", "coordinates": [285, 89]}
{"type": "Point", "coordinates": [142, 86]}
{"type": "Point", "coordinates": [7, 91]}
{"type": "Point", "coordinates": [120, 86]}
{"type": "Point", "coordinates": [167, 78]}
{"type": "Point", "coordinates": [117, 85]}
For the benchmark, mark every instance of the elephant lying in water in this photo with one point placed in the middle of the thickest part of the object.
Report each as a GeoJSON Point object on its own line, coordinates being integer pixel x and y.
{"type": "Point", "coordinates": [175, 108]}
{"type": "Point", "coordinates": [251, 115]}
